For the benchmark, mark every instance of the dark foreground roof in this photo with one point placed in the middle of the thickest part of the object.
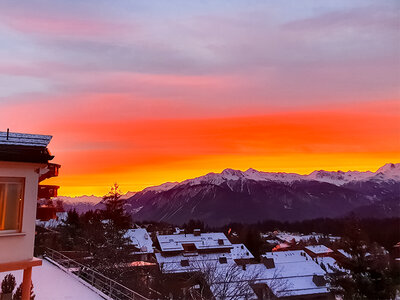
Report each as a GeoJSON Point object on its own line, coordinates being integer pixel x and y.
{"type": "Point", "coordinates": [21, 147]}
{"type": "Point", "coordinates": [24, 139]}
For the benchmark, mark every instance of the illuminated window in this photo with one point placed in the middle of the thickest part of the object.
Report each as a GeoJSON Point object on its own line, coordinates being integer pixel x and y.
{"type": "Point", "coordinates": [11, 200]}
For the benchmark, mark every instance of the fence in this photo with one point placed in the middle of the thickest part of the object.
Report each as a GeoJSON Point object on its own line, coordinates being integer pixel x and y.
{"type": "Point", "coordinates": [102, 283]}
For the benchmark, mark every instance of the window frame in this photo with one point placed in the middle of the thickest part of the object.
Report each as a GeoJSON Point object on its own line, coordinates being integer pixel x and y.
{"type": "Point", "coordinates": [20, 180]}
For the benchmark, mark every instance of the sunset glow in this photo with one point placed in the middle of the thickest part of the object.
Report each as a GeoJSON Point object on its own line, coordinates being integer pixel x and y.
{"type": "Point", "coordinates": [141, 94]}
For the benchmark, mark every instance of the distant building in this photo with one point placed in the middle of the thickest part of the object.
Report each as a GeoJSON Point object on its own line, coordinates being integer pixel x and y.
{"type": "Point", "coordinates": [141, 243]}
{"type": "Point", "coordinates": [318, 251]}
{"type": "Point", "coordinates": [24, 162]}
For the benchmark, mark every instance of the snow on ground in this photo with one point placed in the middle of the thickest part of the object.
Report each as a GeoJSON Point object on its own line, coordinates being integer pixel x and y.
{"type": "Point", "coordinates": [51, 283]}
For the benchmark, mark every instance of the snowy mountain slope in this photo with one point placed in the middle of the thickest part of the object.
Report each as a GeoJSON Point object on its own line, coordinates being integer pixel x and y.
{"type": "Point", "coordinates": [250, 196]}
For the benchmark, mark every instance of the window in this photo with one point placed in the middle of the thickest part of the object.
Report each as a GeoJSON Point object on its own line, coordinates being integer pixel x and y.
{"type": "Point", "coordinates": [11, 200]}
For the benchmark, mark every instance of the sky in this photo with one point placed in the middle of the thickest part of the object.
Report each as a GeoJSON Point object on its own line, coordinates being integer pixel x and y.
{"type": "Point", "coordinates": [145, 92]}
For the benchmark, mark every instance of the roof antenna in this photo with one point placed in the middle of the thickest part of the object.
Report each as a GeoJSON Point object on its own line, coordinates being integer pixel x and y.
{"type": "Point", "coordinates": [8, 131]}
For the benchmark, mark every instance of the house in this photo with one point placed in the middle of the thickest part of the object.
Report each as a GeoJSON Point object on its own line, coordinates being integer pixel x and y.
{"type": "Point", "coordinates": [141, 243]}
{"type": "Point", "coordinates": [187, 257]}
{"type": "Point", "coordinates": [24, 162]}
{"type": "Point", "coordinates": [289, 275]}
{"type": "Point", "coordinates": [196, 242]}
{"type": "Point", "coordinates": [318, 251]}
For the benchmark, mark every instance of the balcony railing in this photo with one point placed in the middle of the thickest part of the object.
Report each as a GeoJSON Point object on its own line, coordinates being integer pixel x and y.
{"type": "Point", "coordinates": [107, 286]}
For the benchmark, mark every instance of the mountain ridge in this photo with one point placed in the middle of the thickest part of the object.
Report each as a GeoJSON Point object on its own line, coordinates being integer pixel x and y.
{"type": "Point", "coordinates": [250, 196]}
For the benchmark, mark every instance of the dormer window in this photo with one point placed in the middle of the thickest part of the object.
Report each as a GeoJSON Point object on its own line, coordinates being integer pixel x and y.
{"type": "Point", "coordinates": [11, 204]}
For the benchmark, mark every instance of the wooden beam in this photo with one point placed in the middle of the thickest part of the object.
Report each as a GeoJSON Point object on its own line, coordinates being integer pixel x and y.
{"type": "Point", "coordinates": [26, 284]}
{"type": "Point", "coordinates": [20, 265]}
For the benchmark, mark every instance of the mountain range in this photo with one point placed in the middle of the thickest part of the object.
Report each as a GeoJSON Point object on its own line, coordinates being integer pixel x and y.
{"type": "Point", "coordinates": [251, 196]}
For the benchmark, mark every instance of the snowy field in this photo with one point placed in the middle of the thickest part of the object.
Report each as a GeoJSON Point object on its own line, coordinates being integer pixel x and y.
{"type": "Point", "coordinates": [51, 283]}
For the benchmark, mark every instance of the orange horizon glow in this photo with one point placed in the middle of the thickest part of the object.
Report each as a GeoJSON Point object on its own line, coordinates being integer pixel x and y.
{"type": "Point", "coordinates": [143, 153]}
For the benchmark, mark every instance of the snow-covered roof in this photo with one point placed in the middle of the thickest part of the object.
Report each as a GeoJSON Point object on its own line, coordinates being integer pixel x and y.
{"type": "Point", "coordinates": [51, 283]}
{"type": "Point", "coordinates": [24, 139]}
{"type": "Point", "coordinates": [329, 263]}
{"type": "Point", "coordinates": [141, 239]}
{"type": "Point", "coordinates": [192, 263]}
{"type": "Point", "coordinates": [319, 249]}
{"type": "Point", "coordinates": [239, 251]}
{"type": "Point", "coordinates": [212, 240]}
{"type": "Point", "coordinates": [292, 275]}
{"type": "Point", "coordinates": [288, 256]}
{"type": "Point", "coordinates": [341, 251]}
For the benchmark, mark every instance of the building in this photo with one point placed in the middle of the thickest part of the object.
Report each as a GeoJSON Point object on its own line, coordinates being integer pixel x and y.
{"type": "Point", "coordinates": [290, 275]}
{"type": "Point", "coordinates": [208, 255]}
{"type": "Point", "coordinates": [196, 242]}
{"type": "Point", "coordinates": [318, 251]}
{"type": "Point", "coordinates": [24, 162]}
{"type": "Point", "coordinates": [141, 243]}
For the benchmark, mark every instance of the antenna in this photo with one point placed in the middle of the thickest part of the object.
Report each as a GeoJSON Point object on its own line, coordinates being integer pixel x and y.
{"type": "Point", "coordinates": [8, 132]}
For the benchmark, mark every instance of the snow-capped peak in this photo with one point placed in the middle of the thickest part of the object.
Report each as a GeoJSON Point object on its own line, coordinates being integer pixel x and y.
{"type": "Point", "coordinates": [389, 171]}
{"type": "Point", "coordinates": [161, 188]}
{"type": "Point", "coordinates": [339, 177]}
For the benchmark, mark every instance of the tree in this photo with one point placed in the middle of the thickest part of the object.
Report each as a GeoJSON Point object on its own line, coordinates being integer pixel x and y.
{"type": "Point", "coordinates": [8, 284]}
{"type": "Point", "coordinates": [18, 293]}
{"type": "Point", "coordinates": [71, 230]}
{"type": "Point", "coordinates": [367, 273]}
{"type": "Point", "coordinates": [222, 281]}
{"type": "Point", "coordinates": [251, 237]}
{"type": "Point", "coordinates": [109, 226]}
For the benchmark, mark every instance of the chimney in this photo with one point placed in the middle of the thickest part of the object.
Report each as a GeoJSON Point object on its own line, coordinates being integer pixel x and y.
{"type": "Point", "coordinates": [269, 263]}
{"type": "Point", "coordinates": [8, 132]}
{"type": "Point", "coordinates": [196, 232]}
{"type": "Point", "coordinates": [223, 260]}
{"type": "Point", "coordinates": [184, 262]}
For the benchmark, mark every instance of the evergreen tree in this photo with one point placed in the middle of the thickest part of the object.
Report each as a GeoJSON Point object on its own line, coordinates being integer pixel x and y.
{"type": "Point", "coordinates": [367, 272]}
{"type": "Point", "coordinates": [71, 231]}
{"type": "Point", "coordinates": [113, 250]}
{"type": "Point", "coordinates": [18, 293]}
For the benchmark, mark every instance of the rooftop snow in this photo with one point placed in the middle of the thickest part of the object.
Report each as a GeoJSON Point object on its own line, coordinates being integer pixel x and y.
{"type": "Point", "coordinates": [319, 249]}
{"type": "Point", "coordinates": [141, 239]}
{"type": "Point", "coordinates": [288, 256]}
{"type": "Point", "coordinates": [197, 262]}
{"type": "Point", "coordinates": [239, 251]}
{"type": "Point", "coordinates": [24, 139]}
{"type": "Point", "coordinates": [292, 275]}
{"type": "Point", "coordinates": [174, 242]}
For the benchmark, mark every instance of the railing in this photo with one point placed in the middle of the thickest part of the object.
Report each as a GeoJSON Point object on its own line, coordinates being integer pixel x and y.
{"type": "Point", "coordinates": [107, 286]}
